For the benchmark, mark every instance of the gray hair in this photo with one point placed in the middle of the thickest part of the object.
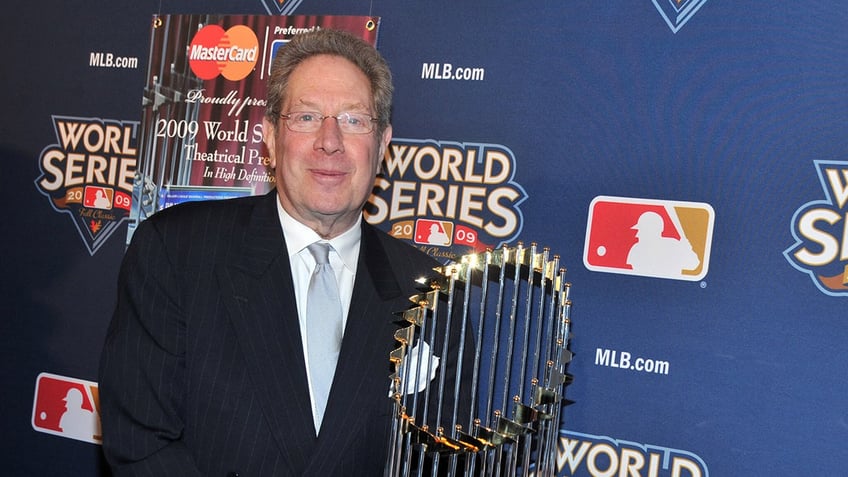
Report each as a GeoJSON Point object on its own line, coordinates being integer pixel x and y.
{"type": "Point", "coordinates": [337, 43]}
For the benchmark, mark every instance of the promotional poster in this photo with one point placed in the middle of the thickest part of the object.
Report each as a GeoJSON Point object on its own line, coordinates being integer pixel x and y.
{"type": "Point", "coordinates": [204, 102]}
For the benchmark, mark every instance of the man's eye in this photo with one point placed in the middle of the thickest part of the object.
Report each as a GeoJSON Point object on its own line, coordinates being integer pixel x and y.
{"type": "Point", "coordinates": [305, 117]}
{"type": "Point", "coordinates": [355, 120]}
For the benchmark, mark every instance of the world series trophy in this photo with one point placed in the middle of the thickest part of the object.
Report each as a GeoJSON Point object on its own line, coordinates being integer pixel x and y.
{"type": "Point", "coordinates": [502, 417]}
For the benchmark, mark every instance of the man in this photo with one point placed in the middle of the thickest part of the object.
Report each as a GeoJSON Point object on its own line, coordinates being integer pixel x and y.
{"type": "Point", "coordinates": [207, 368]}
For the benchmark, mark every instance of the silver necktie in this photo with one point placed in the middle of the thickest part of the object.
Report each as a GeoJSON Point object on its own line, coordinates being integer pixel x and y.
{"type": "Point", "coordinates": [323, 327]}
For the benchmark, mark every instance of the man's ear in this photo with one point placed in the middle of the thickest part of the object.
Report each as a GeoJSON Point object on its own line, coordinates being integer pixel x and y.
{"type": "Point", "coordinates": [384, 145]}
{"type": "Point", "coordinates": [269, 137]}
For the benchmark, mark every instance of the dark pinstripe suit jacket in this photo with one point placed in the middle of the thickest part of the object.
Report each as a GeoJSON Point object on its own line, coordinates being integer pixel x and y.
{"type": "Point", "coordinates": [202, 372]}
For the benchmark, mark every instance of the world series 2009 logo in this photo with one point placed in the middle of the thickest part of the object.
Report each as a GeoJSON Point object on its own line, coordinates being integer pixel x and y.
{"type": "Point", "coordinates": [820, 229]}
{"type": "Point", "coordinates": [88, 174]}
{"type": "Point", "coordinates": [448, 198]}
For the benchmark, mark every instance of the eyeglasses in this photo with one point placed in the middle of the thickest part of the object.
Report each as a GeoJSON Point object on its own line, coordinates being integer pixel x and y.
{"type": "Point", "coordinates": [310, 121]}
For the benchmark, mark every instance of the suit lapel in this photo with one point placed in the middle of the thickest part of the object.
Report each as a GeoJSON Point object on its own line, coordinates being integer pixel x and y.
{"type": "Point", "coordinates": [259, 297]}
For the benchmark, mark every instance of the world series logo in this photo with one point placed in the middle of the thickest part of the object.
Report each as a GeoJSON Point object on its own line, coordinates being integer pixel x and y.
{"type": "Point", "coordinates": [88, 174]}
{"type": "Point", "coordinates": [595, 456]}
{"type": "Point", "coordinates": [448, 198]}
{"type": "Point", "coordinates": [820, 230]}
{"type": "Point", "coordinates": [651, 238]}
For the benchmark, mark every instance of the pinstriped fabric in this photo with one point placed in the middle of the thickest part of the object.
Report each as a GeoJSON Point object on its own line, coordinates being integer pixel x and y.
{"type": "Point", "coordinates": [203, 372]}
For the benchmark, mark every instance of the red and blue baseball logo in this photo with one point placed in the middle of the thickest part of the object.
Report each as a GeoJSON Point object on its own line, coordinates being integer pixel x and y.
{"type": "Point", "coordinates": [67, 407]}
{"type": "Point", "coordinates": [98, 197]}
{"type": "Point", "coordinates": [433, 232]}
{"type": "Point", "coordinates": [651, 238]}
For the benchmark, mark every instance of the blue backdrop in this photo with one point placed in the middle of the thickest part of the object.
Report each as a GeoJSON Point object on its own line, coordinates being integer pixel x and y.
{"type": "Point", "coordinates": [737, 107]}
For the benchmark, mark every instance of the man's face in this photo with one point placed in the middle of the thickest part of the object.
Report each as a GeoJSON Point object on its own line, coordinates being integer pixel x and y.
{"type": "Point", "coordinates": [325, 177]}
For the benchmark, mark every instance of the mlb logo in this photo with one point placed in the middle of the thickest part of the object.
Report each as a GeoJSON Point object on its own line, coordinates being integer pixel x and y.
{"type": "Point", "coordinates": [651, 238]}
{"type": "Point", "coordinates": [433, 232]}
{"type": "Point", "coordinates": [67, 407]}
{"type": "Point", "coordinates": [98, 197]}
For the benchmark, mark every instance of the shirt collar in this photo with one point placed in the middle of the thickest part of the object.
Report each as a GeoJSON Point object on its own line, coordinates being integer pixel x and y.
{"type": "Point", "coordinates": [298, 236]}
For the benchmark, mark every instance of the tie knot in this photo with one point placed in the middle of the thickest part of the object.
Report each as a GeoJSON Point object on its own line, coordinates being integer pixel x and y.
{"type": "Point", "coordinates": [321, 252]}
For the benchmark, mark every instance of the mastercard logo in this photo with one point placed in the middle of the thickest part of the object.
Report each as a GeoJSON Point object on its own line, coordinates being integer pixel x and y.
{"type": "Point", "coordinates": [230, 53]}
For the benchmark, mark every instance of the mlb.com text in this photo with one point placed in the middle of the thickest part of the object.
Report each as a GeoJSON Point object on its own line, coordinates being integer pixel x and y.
{"type": "Point", "coordinates": [623, 360]}
{"type": "Point", "coordinates": [101, 59]}
{"type": "Point", "coordinates": [447, 71]}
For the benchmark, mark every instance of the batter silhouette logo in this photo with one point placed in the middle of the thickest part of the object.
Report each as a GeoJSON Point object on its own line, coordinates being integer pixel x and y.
{"type": "Point", "coordinates": [820, 229]}
{"type": "Point", "coordinates": [67, 407]}
{"type": "Point", "coordinates": [433, 232]}
{"type": "Point", "coordinates": [677, 12]}
{"type": "Point", "coordinates": [651, 238]}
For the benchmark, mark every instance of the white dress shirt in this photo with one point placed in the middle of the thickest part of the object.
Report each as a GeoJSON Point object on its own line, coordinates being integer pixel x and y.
{"type": "Point", "coordinates": [344, 256]}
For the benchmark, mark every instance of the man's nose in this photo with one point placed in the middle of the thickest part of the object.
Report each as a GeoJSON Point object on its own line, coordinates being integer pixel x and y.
{"type": "Point", "coordinates": [330, 137]}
